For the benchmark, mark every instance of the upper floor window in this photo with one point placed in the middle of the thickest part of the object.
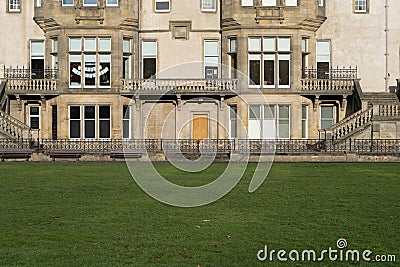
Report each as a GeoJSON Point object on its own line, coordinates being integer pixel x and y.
{"type": "Point", "coordinates": [269, 62]}
{"type": "Point", "coordinates": [211, 59]}
{"type": "Point", "coordinates": [209, 5]}
{"type": "Point", "coordinates": [162, 6]}
{"type": "Point", "coordinates": [360, 6]}
{"type": "Point", "coordinates": [291, 2]}
{"type": "Point", "coordinates": [14, 6]}
{"type": "Point", "coordinates": [112, 3]}
{"type": "Point", "coordinates": [268, 2]}
{"type": "Point", "coordinates": [90, 2]}
{"type": "Point", "coordinates": [67, 2]}
{"type": "Point", "coordinates": [320, 2]}
{"type": "Point", "coordinates": [149, 58]}
{"type": "Point", "coordinates": [90, 63]}
{"type": "Point", "coordinates": [247, 2]}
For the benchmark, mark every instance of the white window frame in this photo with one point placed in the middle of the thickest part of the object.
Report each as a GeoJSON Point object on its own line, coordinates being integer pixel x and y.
{"type": "Point", "coordinates": [291, 3]}
{"type": "Point", "coordinates": [80, 122]}
{"type": "Point", "coordinates": [112, 4]}
{"type": "Point", "coordinates": [129, 120]}
{"type": "Point", "coordinates": [360, 6]}
{"type": "Point", "coordinates": [231, 119]}
{"type": "Point", "coordinates": [34, 116]}
{"type": "Point", "coordinates": [153, 55]}
{"type": "Point", "coordinates": [269, 2]}
{"type": "Point", "coordinates": [333, 114]}
{"type": "Point", "coordinates": [84, 4]}
{"type": "Point", "coordinates": [127, 56]}
{"type": "Point", "coordinates": [162, 10]}
{"type": "Point", "coordinates": [210, 58]}
{"type": "Point", "coordinates": [247, 3]}
{"type": "Point", "coordinates": [14, 5]}
{"type": "Point", "coordinates": [36, 56]}
{"type": "Point", "coordinates": [68, 4]}
{"type": "Point", "coordinates": [262, 120]}
{"type": "Point", "coordinates": [89, 119]}
{"type": "Point", "coordinates": [279, 119]}
{"type": "Point", "coordinates": [304, 122]}
{"type": "Point", "coordinates": [213, 7]}
{"type": "Point", "coordinates": [103, 119]}
{"type": "Point", "coordinates": [321, 3]}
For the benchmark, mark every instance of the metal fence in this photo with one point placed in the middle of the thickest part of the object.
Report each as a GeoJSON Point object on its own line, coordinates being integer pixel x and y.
{"type": "Point", "coordinates": [250, 146]}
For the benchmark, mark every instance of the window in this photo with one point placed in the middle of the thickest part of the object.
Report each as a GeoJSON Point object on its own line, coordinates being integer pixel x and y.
{"type": "Point", "coordinates": [162, 6]}
{"type": "Point", "coordinates": [67, 2]}
{"type": "Point", "coordinates": [269, 62]}
{"type": "Point", "coordinates": [149, 59]}
{"type": "Point", "coordinates": [304, 122]}
{"type": "Point", "coordinates": [34, 117]}
{"type": "Point", "coordinates": [126, 58]}
{"type": "Point", "coordinates": [232, 58]}
{"type": "Point", "coordinates": [126, 122]}
{"type": "Point", "coordinates": [360, 6]}
{"type": "Point", "coordinates": [321, 2]}
{"type": "Point", "coordinates": [14, 6]}
{"type": "Point", "coordinates": [54, 53]}
{"type": "Point", "coordinates": [90, 2]}
{"type": "Point", "coordinates": [323, 59]}
{"type": "Point", "coordinates": [112, 3]}
{"type": "Point", "coordinates": [328, 114]}
{"type": "Point", "coordinates": [269, 122]}
{"type": "Point", "coordinates": [94, 54]}
{"type": "Point", "coordinates": [232, 122]}
{"type": "Point", "coordinates": [74, 122]}
{"type": "Point", "coordinates": [104, 122]}
{"type": "Point", "coordinates": [304, 54]}
{"type": "Point", "coordinates": [291, 2]}
{"type": "Point", "coordinates": [211, 59]}
{"type": "Point", "coordinates": [37, 59]}
{"type": "Point", "coordinates": [96, 122]}
{"type": "Point", "coordinates": [209, 5]}
{"type": "Point", "coordinates": [268, 2]}
{"type": "Point", "coordinates": [247, 2]}
{"type": "Point", "coordinates": [38, 3]}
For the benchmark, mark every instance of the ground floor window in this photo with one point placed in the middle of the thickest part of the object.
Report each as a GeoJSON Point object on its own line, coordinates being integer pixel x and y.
{"type": "Point", "coordinates": [126, 122]}
{"type": "Point", "coordinates": [232, 122]}
{"type": "Point", "coordinates": [304, 122]}
{"type": "Point", "coordinates": [34, 117]}
{"type": "Point", "coordinates": [90, 122]}
{"type": "Point", "coordinates": [328, 114]}
{"type": "Point", "coordinates": [269, 122]}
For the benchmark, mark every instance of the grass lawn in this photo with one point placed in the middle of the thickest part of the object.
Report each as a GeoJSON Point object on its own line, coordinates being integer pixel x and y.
{"type": "Point", "coordinates": [94, 214]}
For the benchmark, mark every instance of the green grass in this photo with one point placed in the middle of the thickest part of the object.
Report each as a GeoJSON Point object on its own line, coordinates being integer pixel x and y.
{"type": "Point", "coordinates": [94, 214]}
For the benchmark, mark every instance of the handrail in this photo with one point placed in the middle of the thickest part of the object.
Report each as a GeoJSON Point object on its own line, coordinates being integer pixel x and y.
{"type": "Point", "coordinates": [13, 127]}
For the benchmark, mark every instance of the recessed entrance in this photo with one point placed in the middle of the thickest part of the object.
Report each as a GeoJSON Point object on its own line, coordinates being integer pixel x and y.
{"type": "Point", "coordinates": [200, 126]}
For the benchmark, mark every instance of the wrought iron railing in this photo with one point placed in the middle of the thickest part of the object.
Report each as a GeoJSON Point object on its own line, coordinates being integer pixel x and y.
{"type": "Point", "coordinates": [331, 74]}
{"type": "Point", "coordinates": [228, 146]}
{"type": "Point", "coordinates": [27, 73]}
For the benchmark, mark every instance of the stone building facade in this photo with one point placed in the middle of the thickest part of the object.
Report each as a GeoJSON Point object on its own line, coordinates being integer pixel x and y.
{"type": "Point", "coordinates": [206, 69]}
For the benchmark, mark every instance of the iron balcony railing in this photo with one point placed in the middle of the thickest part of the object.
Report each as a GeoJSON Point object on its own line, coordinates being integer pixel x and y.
{"type": "Point", "coordinates": [27, 73]}
{"type": "Point", "coordinates": [225, 146]}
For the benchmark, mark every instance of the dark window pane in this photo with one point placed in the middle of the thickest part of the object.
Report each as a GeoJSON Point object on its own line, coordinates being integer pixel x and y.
{"type": "Point", "coordinates": [125, 67]}
{"type": "Point", "coordinates": [149, 67]}
{"type": "Point", "coordinates": [37, 68]}
{"type": "Point", "coordinates": [104, 73]}
{"type": "Point", "coordinates": [323, 70]}
{"type": "Point", "coordinates": [125, 129]}
{"type": "Point", "coordinates": [126, 112]}
{"type": "Point", "coordinates": [89, 112]}
{"type": "Point", "coordinates": [105, 129]}
{"type": "Point", "coordinates": [284, 72]}
{"type": "Point", "coordinates": [233, 66]}
{"type": "Point", "coordinates": [75, 113]}
{"type": "Point", "coordinates": [34, 110]}
{"type": "Point", "coordinates": [162, 5]}
{"type": "Point", "coordinates": [75, 73]}
{"type": "Point", "coordinates": [35, 122]}
{"type": "Point", "coordinates": [269, 72]}
{"type": "Point", "coordinates": [104, 112]}
{"type": "Point", "coordinates": [255, 72]}
{"type": "Point", "coordinates": [89, 129]}
{"type": "Point", "coordinates": [75, 129]}
{"type": "Point", "coordinates": [90, 73]}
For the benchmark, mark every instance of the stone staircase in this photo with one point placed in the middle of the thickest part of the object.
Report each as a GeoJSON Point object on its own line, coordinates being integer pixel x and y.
{"type": "Point", "coordinates": [379, 107]}
{"type": "Point", "coordinates": [3, 97]}
{"type": "Point", "coordinates": [11, 128]}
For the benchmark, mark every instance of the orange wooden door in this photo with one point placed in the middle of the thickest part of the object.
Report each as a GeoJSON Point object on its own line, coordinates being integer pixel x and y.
{"type": "Point", "coordinates": [200, 126]}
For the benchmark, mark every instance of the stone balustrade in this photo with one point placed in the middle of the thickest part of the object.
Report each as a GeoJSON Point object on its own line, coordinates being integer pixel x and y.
{"type": "Point", "coordinates": [12, 127]}
{"type": "Point", "coordinates": [29, 85]}
{"type": "Point", "coordinates": [179, 86]}
{"type": "Point", "coordinates": [328, 86]}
